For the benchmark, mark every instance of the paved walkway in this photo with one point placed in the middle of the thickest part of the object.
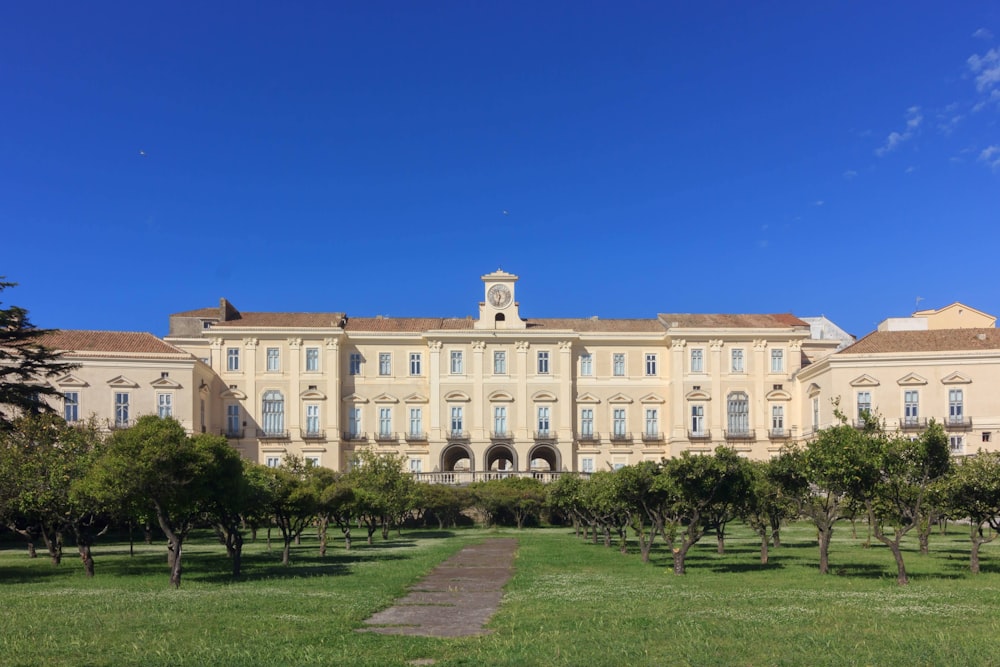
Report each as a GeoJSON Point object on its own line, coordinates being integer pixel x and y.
{"type": "Point", "coordinates": [457, 598]}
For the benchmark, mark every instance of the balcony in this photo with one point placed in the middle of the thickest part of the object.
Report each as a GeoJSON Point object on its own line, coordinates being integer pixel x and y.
{"type": "Point", "coordinates": [652, 437]}
{"type": "Point", "coordinates": [779, 434]}
{"type": "Point", "coordinates": [118, 424]}
{"type": "Point", "coordinates": [740, 435]}
{"type": "Point", "coordinates": [386, 436]}
{"type": "Point", "coordinates": [354, 436]}
{"type": "Point", "coordinates": [272, 435]}
{"type": "Point", "coordinates": [457, 435]}
{"type": "Point", "coordinates": [588, 438]}
{"type": "Point", "coordinates": [545, 435]}
{"type": "Point", "coordinates": [501, 436]}
{"type": "Point", "coordinates": [416, 437]}
{"type": "Point", "coordinates": [699, 435]}
{"type": "Point", "coordinates": [958, 424]}
{"type": "Point", "coordinates": [912, 423]}
{"type": "Point", "coordinates": [237, 434]}
{"type": "Point", "coordinates": [622, 438]}
{"type": "Point", "coordinates": [314, 435]}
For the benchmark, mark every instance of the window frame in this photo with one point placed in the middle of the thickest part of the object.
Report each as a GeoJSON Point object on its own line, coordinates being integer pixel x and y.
{"type": "Point", "coordinates": [272, 356]}
{"type": "Point", "coordinates": [499, 362]}
{"type": "Point", "coordinates": [737, 357]}
{"type": "Point", "coordinates": [164, 404]}
{"type": "Point", "coordinates": [233, 359]}
{"type": "Point", "coordinates": [416, 364]}
{"type": "Point", "coordinates": [651, 363]}
{"type": "Point", "coordinates": [777, 360]}
{"type": "Point", "coordinates": [543, 362]}
{"type": "Point", "coordinates": [618, 364]}
{"type": "Point", "coordinates": [586, 364]}
{"type": "Point", "coordinates": [354, 363]}
{"type": "Point", "coordinates": [697, 354]}
{"type": "Point", "coordinates": [312, 360]}
{"type": "Point", "coordinates": [456, 362]}
{"type": "Point", "coordinates": [71, 406]}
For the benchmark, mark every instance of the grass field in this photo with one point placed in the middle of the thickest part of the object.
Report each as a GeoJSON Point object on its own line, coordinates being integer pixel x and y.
{"type": "Point", "coordinates": [569, 603]}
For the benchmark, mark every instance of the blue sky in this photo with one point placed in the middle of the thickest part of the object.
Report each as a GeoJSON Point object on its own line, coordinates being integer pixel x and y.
{"type": "Point", "coordinates": [815, 158]}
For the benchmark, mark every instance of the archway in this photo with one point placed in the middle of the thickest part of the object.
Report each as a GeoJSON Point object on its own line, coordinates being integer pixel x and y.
{"type": "Point", "coordinates": [457, 458]}
{"type": "Point", "coordinates": [501, 458]}
{"type": "Point", "coordinates": [544, 458]}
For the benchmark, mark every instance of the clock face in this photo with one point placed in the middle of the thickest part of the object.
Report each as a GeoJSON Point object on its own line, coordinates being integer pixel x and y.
{"type": "Point", "coordinates": [499, 296]}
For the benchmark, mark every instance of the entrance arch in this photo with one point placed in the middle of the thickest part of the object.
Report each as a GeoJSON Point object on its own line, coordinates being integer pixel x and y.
{"type": "Point", "coordinates": [457, 458]}
{"type": "Point", "coordinates": [501, 458]}
{"type": "Point", "coordinates": [544, 458]}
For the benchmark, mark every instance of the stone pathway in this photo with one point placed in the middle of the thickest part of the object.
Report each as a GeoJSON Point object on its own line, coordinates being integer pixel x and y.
{"type": "Point", "coordinates": [457, 598]}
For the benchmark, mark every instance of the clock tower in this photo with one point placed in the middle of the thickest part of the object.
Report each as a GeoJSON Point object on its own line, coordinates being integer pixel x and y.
{"type": "Point", "coordinates": [499, 310]}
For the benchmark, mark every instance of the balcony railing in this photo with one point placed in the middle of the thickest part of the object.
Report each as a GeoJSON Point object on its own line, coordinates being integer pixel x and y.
{"type": "Point", "coordinates": [912, 423]}
{"type": "Point", "coordinates": [457, 435]}
{"type": "Point", "coordinates": [652, 437]}
{"type": "Point", "coordinates": [117, 424]}
{"type": "Point", "coordinates": [468, 477]}
{"type": "Point", "coordinates": [272, 435]}
{"type": "Point", "coordinates": [779, 434]}
{"type": "Point", "coordinates": [740, 435]}
{"type": "Point", "coordinates": [700, 435]}
{"type": "Point", "coordinates": [621, 437]}
{"type": "Point", "coordinates": [314, 435]}
{"type": "Point", "coordinates": [238, 434]}
{"type": "Point", "coordinates": [545, 434]}
{"type": "Point", "coordinates": [354, 436]}
{"type": "Point", "coordinates": [958, 424]}
{"type": "Point", "coordinates": [416, 437]}
{"type": "Point", "coordinates": [501, 435]}
{"type": "Point", "coordinates": [588, 437]}
{"type": "Point", "coordinates": [386, 436]}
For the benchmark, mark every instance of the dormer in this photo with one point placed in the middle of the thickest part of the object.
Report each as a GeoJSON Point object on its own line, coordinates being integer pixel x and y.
{"type": "Point", "coordinates": [499, 310]}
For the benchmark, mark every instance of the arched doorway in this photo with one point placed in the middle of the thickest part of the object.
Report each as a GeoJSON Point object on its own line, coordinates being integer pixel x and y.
{"type": "Point", "coordinates": [544, 458]}
{"type": "Point", "coordinates": [457, 458]}
{"type": "Point", "coordinates": [501, 458]}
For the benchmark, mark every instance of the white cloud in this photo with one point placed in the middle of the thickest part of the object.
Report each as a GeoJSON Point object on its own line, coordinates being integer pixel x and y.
{"type": "Point", "coordinates": [909, 170]}
{"type": "Point", "coordinates": [892, 142]}
{"type": "Point", "coordinates": [850, 174]}
{"type": "Point", "coordinates": [819, 202]}
{"type": "Point", "coordinates": [991, 156]}
{"type": "Point", "coordinates": [983, 33]}
{"type": "Point", "coordinates": [986, 67]}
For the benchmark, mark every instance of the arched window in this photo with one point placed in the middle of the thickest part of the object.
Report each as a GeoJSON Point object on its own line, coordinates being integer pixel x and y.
{"type": "Point", "coordinates": [738, 412]}
{"type": "Point", "coordinates": [273, 411]}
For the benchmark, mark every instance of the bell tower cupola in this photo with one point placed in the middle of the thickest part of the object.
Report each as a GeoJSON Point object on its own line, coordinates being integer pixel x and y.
{"type": "Point", "coordinates": [499, 310]}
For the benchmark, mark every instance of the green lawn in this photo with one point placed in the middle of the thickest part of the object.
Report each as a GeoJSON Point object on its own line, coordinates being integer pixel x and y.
{"type": "Point", "coordinates": [569, 603]}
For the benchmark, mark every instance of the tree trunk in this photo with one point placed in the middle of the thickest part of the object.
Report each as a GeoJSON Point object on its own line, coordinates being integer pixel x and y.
{"type": "Point", "coordinates": [679, 555]}
{"type": "Point", "coordinates": [720, 542]}
{"type": "Point", "coordinates": [323, 522]}
{"type": "Point", "coordinates": [171, 553]}
{"type": "Point", "coordinates": [237, 553]}
{"type": "Point", "coordinates": [286, 551]}
{"type": "Point", "coordinates": [923, 537]}
{"type": "Point", "coordinates": [974, 557]}
{"type": "Point", "coordinates": [897, 553]}
{"type": "Point", "coordinates": [175, 571]}
{"type": "Point", "coordinates": [763, 546]}
{"type": "Point", "coordinates": [32, 552]}
{"type": "Point", "coordinates": [607, 536]}
{"type": "Point", "coordinates": [87, 557]}
{"type": "Point", "coordinates": [385, 529]}
{"type": "Point", "coordinates": [824, 550]}
{"type": "Point", "coordinates": [147, 533]}
{"type": "Point", "coordinates": [54, 546]}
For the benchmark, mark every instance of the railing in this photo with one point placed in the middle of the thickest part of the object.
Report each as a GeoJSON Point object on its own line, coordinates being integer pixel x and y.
{"type": "Point", "coordinates": [779, 434]}
{"type": "Point", "coordinates": [621, 437]}
{"type": "Point", "coordinates": [454, 435]}
{"type": "Point", "coordinates": [416, 437]}
{"type": "Point", "coordinates": [384, 436]}
{"type": "Point", "coordinates": [588, 437]}
{"type": "Point", "coordinates": [912, 423]}
{"type": "Point", "coordinates": [501, 435]}
{"type": "Point", "coordinates": [272, 435]}
{"type": "Point", "coordinates": [117, 424]}
{"type": "Point", "coordinates": [740, 435]}
{"type": "Point", "coordinates": [314, 435]}
{"type": "Point", "coordinates": [652, 437]}
{"type": "Point", "coordinates": [958, 424]}
{"type": "Point", "coordinates": [233, 435]}
{"type": "Point", "coordinates": [545, 434]}
{"type": "Point", "coordinates": [468, 477]}
{"type": "Point", "coordinates": [699, 435]}
{"type": "Point", "coordinates": [353, 436]}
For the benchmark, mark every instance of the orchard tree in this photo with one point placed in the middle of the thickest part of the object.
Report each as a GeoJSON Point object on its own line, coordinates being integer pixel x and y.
{"type": "Point", "coordinates": [294, 501]}
{"type": "Point", "coordinates": [563, 497]}
{"type": "Point", "coordinates": [771, 498]}
{"type": "Point", "coordinates": [648, 494]}
{"type": "Point", "coordinates": [442, 502]}
{"type": "Point", "coordinates": [25, 364]}
{"type": "Point", "coordinates": [972, 492]}
{"type": "Point", "coordinates": [384, 491]}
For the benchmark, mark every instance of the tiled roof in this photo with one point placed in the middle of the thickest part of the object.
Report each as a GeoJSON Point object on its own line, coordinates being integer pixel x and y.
{"type": "Point", "coordinates": [406, 324]}
{"type": "Point", "coordinates": [589, 324]}
{"type": "Point", "coordinates": [200, 312]}
{"type": "Point", "coordinates": [130, 342]}
{"type": "Point", "coordinates": [727, 321]}
{"type": "Point", "coordinates": [303, 320]}
{"type": "Point", "coordinates": [934, 340]}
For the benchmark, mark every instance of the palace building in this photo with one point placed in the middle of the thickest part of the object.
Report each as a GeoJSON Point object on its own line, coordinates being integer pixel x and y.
{"type": "Point", "coordinates": [464, 399]}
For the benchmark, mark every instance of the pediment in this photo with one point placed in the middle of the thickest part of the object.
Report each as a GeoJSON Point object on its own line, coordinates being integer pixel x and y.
{"type": "Point", "coordinates": [813, 390]}
{"type": "Point", "coordinates": [864, 381]}
{"type": "Point", "coordinates": [546, 396]}
{"type": "Point", "coordinates": [652, 398]}
{"type": "Point", "coordinates": [234, 393]}
{"type": "Point", "coordinates": [165, 383]}
{"type": "Point", "coordinates": [71, 381]}
{"type": "Point", "coordinates": [500, 396]}
{"type": "Point", "coordinates": [313, 395]}
{"type": "Point", "coordinates": [778, 395]}
{"type": "Point", "coordinates": [415, 398]}
{"type": "Point", "coordinates": [698, 395]}
{"type": "Point", "coordinates": [355, 398]}
{"type": "Point", "coordinates": [620, 398]}
{"type": "Point", "coordinates": [123, 382]}
{"type": "Point", "coordinates": [956, 378]}
{"type": "Point", "coordinates": [587, 397]}
{"type": "Point", "coordinates": [385, 398]}
{"type": "Point", "coordinates": [457, 397]}
{"type": "Point", "coordinates": [911, 379]}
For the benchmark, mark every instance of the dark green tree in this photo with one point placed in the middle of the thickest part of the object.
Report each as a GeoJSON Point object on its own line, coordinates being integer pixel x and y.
{"type": "Point", "coordinates": [972, 492]}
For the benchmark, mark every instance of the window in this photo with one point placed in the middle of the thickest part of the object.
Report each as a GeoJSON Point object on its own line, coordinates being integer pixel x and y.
{"type": "Point", "coordinates": [312, 359]}
{"type": "Point", "coordinates": [385, 421]}
{"type": "Point", "coordinates": [815, 411]}
{"type": "Point", "coordinates": [312, 420]}
{"type": "Point", "coordinates": [355, 363]}
{"type": "Point", "coordinates": [233, 359]}
{"type": "Point", "coordinates": [416, 465]}
{"type": "Point", "coordinates": [737, 355]}
{"type": "Point", "coordinates": [911, 407]}
{"type": "Point", "coordinates": [864, 405]}
{"type": "Point", "coordinates": [71, 406]}
{"type": "Point", "coordinates": [416, 422]}
{"type": "Point", "coordinates": [202, 414]}
{"type": "Point", "coordinates": [165, 405]}
{"type": "Point", "coordinates": [778, 419]}
{"type": "Point", "coordinates": [543, 420]}
{"type": "Point", "coordinates": [618, 421]}
{"type": "Point", "coordinates": [618, 364]}
{"type": "Point", "coordinates": [543, 362]}
{"type": "Point", "coordinates": [272, 461]}
{"type": "Point", "coordinates": [738, 413]}
{"type": "Point", "coordinates": [385, 363]}
{"type": "Point", "coordinates": [456, 362]}
{"type": "Point", "coordinates": [957, 444]}
{"type": "Point", "coordinates": [650, 364]}
{"type": "Point", "coordinates": [697, 361]}
{"type": "Point", "coordinates": [273, 363]}
{"type": "Point", "coordinates": [587, 464]}
{"type": "Point", "coordinates": [232, 420]}
{"type": "Point", "coordinates": [697, 419]}
{"type": "Point", "coordinates": [956, 406]}
{"type": "Point", "coordinates": [986, 436]}
{"type": "Point", "coordinates": [354, 422]}
{"type": "Point", "coordinates": [456, 420]}
{"type": "Point", "coordinates": [587, 422]}
{"type": "Point", "coordinates": [312, 460]}
{"type": "Point", "coordinates": [415, 363]}
{"type": "Point", "coordinates": [586, 366]}
{"type": "Point", "coordinates": [500, 419]}
{"type": "Point", "coordinates": [652, 423]}
{"type": "Point", "coordinates": [499, 362]}
{"type": "Point", "coordinates": [121, 409]}
{"type": "Point", "coordinates": [273, 410]}
{"type": "Point", "coordinates": [777, 361]}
